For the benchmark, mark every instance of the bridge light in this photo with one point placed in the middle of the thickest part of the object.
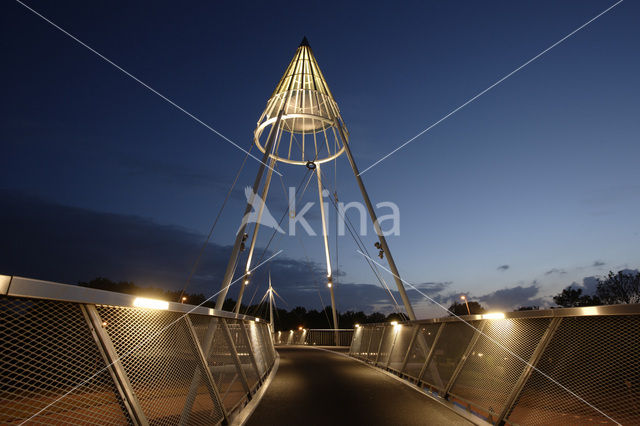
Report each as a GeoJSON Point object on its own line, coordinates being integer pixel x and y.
{"type": "Point", "coordinates": [357, 325]}
{"type": "Point", "coordinates": [257, 319]}
{"type": "Point", "coordinates": [329, 285]}
{"type": "Point", "coordinates": [394, 323]}
{"type": "Point", "coordinates": [184, 299]}
{"type": "Point", "coordinates": [493, 315]}
{"type": "Point", "coordinates": [143, 302]}
{"type": "Point", "coordinates": [300, 328]}
{"type": "Point", "coordinates": [246, 282]}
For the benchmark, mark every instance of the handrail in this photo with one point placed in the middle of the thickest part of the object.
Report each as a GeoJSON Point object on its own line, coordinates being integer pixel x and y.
{"type": "Point", "coordinates": [48, 290]}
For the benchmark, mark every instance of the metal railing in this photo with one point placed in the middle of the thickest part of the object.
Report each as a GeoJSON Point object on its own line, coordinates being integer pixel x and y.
{"type": "Point", "coordinates": [559, 366]}
{"type": "Point", "coordinates": [314, 337]}
{"type": "Point", "coordinates": [75, 355]}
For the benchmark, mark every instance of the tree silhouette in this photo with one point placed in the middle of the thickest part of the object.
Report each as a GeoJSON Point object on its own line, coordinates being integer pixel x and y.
{"type": "Point", "coordinates": [461, 308]}
{"type": "Point", "coordinates": [572, 297]}
{"type": "Point", "coordinates": [623, 287]}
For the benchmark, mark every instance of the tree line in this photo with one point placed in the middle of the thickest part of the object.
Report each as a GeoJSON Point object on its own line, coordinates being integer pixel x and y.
{"type": "Point", "coordinates": [615, 288]}
{"type": "Point", "coordinates": [283, 319]}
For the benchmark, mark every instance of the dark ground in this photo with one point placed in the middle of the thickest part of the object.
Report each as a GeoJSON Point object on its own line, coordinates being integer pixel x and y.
{"type": "Point", "coordinates": [315, 387]}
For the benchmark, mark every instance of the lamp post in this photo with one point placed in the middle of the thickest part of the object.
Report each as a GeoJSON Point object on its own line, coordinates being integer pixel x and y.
{"type": "Point", "coordinates": [466, 302]}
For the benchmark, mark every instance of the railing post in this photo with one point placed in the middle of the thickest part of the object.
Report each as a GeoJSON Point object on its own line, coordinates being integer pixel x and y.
{"type": "Point", "coordinates": [235, 357]}
{"type": "Point", "coordinates": [476, 335]}
{"type": "Point", "coordinates": [204, 367]}
{"type": "Point", "coordinates": [206, 348]}
{"type": "Point", "coordinates": [110, 356]}
{"type": "Point", "coordinates": [405, 360]}
{"type": "Point", "coordinates": [427, 359]}
{"type": "Point", "coordinates": [528, 370]}
{"type": "Point", "coordinates": [393, 346]}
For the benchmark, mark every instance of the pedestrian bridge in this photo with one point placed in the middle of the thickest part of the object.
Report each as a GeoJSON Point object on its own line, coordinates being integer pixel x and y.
{"type": "Point", "coordinates": [73, 355]}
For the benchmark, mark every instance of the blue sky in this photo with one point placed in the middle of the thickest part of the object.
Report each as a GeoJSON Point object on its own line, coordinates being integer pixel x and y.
{"type": "Point", "coordinates": [539, 174]}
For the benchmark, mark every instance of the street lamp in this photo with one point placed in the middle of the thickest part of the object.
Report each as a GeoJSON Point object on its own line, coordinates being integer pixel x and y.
{"type": "Point", "coordinates": [466, 302]}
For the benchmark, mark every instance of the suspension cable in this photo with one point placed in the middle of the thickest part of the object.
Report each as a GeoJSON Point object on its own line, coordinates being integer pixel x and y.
{"type": "Point", "coordinates": [279, 223]}
{"type": "Point", "coordinates": [361, 245]}
{"type": "Point", "coordinates": [354, 235]}
{"type": "Point", "coordinates": [213, 226]}
{"type": "Point", "coordinates": [306, 255]}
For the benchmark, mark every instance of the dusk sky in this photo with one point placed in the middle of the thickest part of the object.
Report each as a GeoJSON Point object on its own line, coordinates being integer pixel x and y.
{"type": "Point", "coordinates": [533, 186]}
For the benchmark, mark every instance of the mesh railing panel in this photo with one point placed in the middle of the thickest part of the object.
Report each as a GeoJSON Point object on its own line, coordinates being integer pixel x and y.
{"type": "Point", "coordinates": [313, 337]}
{"type": "Point", "coordinates": [244, 352]}
{"type": "Point", "coordinates": [374, 342]}
{"type": "Point", "coordinates": [356, 344]}
{"type": "Point", "coordinates": [51, 367]}
{"type": "Point", "coordinates": [345, 337]}
{"type": "Point", "coordinates": [450, 347]}
{"type": "Point", "coordinates": [257, 346]}
{"type": "Point", "coordinates": [400, 346]}
{"type": "Point", "coordinates": [367, 335]}
{"type": "Point", "coordinates": [267, 343]}
{"type": "Point", "coordinates": [491, 371]}
{"type": "Point", "coordinates": [419, 350]}
{"type": "Point", "coordinates": [159, 358]}
{"type": "Point", "coordinates": [220, 360]}
{"type": "Point", "coordinates": [596, 358]}
{"type": "Point", "coordinates": [388, 338]}
{"type": "Point", "coordinates": [292, 337]}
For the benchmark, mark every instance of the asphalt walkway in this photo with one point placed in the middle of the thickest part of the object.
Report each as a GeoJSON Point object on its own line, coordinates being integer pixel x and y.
{"type": "Point", "coordinates": [316, 387]}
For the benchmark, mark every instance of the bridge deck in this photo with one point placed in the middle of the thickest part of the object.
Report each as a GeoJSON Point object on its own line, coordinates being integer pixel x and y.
{"type": "Point", "coordinates": [313, 387]}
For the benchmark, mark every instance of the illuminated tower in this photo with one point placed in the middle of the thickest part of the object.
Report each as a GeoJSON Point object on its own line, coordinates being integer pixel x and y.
{"type": "Point", "coordinates": [301, 125]}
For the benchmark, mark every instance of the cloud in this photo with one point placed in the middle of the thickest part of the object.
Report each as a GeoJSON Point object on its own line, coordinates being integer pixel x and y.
{"type": "Point", "coordinates": [503, 268]}
{"type": "Point", "coordinates": [598, 263]}
{"type": "Point", "coordinates": [511, 298]}
{"type": "Point", "coordinates": [555, 271]}
{"type": "Point", "coordinates": [433, 287]}
{"type": "Point", "coordinates": [68, 244]}
{"type": "Point", "coordinates": [65, 244]}
{"type": "Point", "coordinates": [589, 285]}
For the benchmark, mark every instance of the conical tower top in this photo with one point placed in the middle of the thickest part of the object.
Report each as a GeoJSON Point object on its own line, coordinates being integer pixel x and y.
{"type": "Point", "coordinates": [308, 109]}
{"type": "Point", "coordinates": [303, 73]}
